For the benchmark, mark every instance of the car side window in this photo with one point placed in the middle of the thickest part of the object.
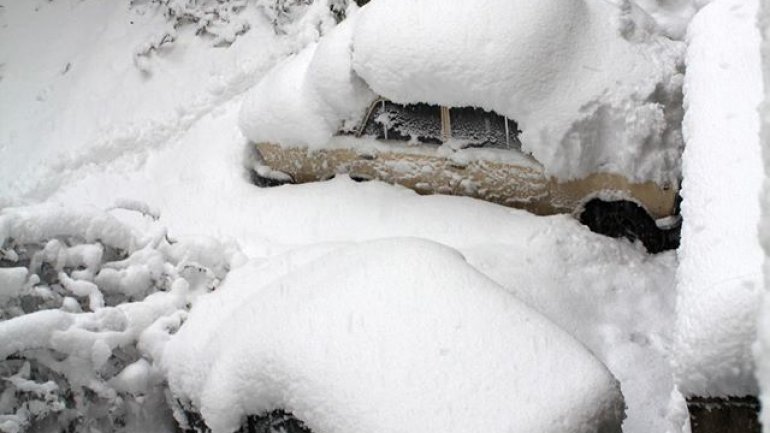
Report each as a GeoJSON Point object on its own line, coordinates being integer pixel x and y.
{"type": "Point", "coordinates": [413, 122]}
{"type": "Point", "coordinates": [479, 128]}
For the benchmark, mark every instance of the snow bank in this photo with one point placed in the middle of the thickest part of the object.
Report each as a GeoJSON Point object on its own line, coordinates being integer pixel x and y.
{"type": "Point", "coordinates": [720, 271]}
{"type": "Point", "coordinates": [387, 336]}
{"type": "Point", "coordinates": [762, 348]}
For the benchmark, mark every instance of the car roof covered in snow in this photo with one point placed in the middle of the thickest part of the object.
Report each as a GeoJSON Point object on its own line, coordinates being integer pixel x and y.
{"type": "Point", "coordinates": [592, 86]}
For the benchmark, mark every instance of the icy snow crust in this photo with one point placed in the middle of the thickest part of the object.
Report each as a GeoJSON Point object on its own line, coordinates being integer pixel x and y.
{"type": "Point", "coordinates": [379, 337]}
{"type": "Point", "coordinates": [719, 278]}
{"type": "Point", "coordinates": [590, 86]}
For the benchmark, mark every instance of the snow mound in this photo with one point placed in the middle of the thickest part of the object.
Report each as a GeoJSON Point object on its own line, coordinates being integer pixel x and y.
{"type": "Point", "coordinates": [386, 336]}
{"type": "Point", "coordinates": [719, 279]}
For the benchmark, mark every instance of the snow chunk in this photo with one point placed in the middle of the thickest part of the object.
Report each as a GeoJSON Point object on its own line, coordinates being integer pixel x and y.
{"type": "Point", "coordinates": [11, 282]}
{"type": "Point", "coordinates": [586, 82]}
{"type": "Point", "coordinates": [134, 379]}
{"type": "Point", "coordinates": [386, 336]}
{"type": "Point", "coordinates": [720, 273]}
{"type": "Point", "coordinates": [83, 288]}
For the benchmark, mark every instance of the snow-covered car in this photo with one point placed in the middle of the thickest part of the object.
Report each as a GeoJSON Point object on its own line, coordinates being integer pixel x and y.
{"type": "Point", "coordinates": [422, 341]}
{"type": "Point", "coordinates": [481, 99]}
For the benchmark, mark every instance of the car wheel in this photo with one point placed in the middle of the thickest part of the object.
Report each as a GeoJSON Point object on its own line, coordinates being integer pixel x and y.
{"type": "Point", "coordinates": [629, 220]}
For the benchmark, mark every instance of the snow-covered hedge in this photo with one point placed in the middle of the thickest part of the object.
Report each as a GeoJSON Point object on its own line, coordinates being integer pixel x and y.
{"type": "Point", "coordinates": [86, 304]}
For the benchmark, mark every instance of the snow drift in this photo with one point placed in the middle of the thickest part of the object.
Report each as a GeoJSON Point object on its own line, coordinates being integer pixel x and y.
{"type": "Point", "coordinates": [386, 336]}
{"type": "Point", "coordinates": [590, 84]}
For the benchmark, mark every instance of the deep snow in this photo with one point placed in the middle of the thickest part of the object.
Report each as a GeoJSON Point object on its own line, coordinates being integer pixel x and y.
{"type": "Point", "coordinates": [106, 132]}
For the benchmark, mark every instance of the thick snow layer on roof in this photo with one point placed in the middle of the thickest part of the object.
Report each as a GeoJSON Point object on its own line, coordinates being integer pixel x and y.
{"type": "Point", "coordinates": [585, 81]}
{"type": "Point", "coordinates": [720, 271]}
{"type": "Point", "coordinates": [588, 83]}
{"type": "Point", "coordinates": [387, 336]}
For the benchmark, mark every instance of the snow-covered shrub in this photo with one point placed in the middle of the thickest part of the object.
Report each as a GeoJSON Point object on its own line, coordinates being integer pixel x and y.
{"type": "Point", "coordinates": [86, 303]}
{"type": "Point", "coordinates": [284, 12]}
{"type": "Point", "coordinates": [223, 21]}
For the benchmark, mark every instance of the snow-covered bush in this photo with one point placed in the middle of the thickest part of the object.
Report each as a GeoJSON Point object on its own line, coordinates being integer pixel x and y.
{"type": "Point", "coordinates": [86, 302]}
{"type": "Point", "coordinates": [223, 21]}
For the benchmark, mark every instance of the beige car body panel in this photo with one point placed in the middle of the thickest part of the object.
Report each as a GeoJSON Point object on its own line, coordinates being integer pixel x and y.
{"type": "Point", "coordinates": [520, 185]}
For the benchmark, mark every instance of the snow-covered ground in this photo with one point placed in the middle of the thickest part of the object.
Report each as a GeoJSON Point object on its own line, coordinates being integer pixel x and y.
{"type": "Point", "coordinates": [91, 116]}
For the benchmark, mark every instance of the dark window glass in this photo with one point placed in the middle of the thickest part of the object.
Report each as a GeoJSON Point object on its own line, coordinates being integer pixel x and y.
{"type": "Point", "coordinates": [479, 128]}
{"type": "Point", "coordinates": [404, 122]}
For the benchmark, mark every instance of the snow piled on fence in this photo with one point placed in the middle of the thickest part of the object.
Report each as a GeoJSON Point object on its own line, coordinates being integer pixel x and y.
{"type": "Point", "coordinates": [386, 336]}
{"type": "Point", "coordinates": [719, 279]}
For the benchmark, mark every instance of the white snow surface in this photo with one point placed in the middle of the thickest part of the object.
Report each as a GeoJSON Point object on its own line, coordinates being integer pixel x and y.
{"type": "Point", "coordinates": [387, 336]}
{"type": "Point", "coordinates": [762, 347]}
{"type": "Point", "coordinates": [719, 279]}
{"type": "Point", "coordinates": [167, 143]}
{"type": "Point", "coordinates": [590, 84]}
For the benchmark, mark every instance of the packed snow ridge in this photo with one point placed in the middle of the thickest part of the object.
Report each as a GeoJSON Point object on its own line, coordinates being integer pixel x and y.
{"type": "Point", "coordinates": [592, 85]}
